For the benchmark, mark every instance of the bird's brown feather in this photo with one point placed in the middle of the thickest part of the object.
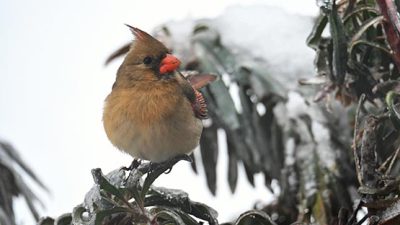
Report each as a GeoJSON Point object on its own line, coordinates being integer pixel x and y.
{"type": "Point", "coordinates": [151, 121]}
{"type": "Point", "coordinates": [190, 87]}
{"type": "Point", "coordinates": [148, 114]}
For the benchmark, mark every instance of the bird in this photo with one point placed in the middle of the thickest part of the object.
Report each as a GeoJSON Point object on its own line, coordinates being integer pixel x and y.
{"type": "Point", "coordinates": [153, 112]}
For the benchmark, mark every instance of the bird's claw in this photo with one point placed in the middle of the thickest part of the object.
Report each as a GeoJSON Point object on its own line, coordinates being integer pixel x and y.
{"type": "Point", "coordinates": [165, 166]}
{"type": "Point", "coordinates": [134, 165]}
{"type": "Point", "coordinates": [182, 157]}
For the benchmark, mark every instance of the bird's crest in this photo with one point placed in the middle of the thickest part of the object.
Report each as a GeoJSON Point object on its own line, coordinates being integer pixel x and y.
{"type": "Point", "coordinates": [139, 34]}
{"type": "Point", "coordinates": [148, 43]}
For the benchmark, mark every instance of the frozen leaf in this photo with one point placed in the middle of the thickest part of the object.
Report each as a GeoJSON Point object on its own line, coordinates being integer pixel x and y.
{"type": "Point", "coordinates": [393, 109]}
{"type": "Point", "coordinates": [168, 197]}
{"type": "Point", "coordinates": [204, 212]}
{"type": "Point", "coordinates": [12, 184]}
{"type": "Point", "coordinates": [64, 220]}
{"type": "Point", "coordinates": [209, 155]}
{"type": "Point", "coordinates": [325, 4]}
{"type": "Point", "coordinates": [315, 36]}
{"type": "Point", "coordinates": [361, 31]}
{"type": "Point", "coordinates": [339, 46]}
{"type": "Point", "coordinates": [104, 184]}
{"type": "Point", "coordinates": [232, 165]}
{"type": "Point", "coordinates": [166, 215]}
{"type": "Point", "coordinates": [45, 221]}
{"type": "Point", "coordinates": [100, 216]}
{"type": "Point", "coordinates": [254, 217]}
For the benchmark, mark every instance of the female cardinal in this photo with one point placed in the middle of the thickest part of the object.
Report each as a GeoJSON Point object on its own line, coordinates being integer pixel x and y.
{"type": "Point", "coordinates": [153, 112]}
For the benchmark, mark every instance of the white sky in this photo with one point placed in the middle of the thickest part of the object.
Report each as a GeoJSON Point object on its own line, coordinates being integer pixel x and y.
{"type": "Point", "coordinates": [53, 84]}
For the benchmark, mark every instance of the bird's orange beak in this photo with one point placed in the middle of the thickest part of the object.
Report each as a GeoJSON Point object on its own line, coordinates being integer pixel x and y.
{"type": "Point", "coordinates": [169, 64]}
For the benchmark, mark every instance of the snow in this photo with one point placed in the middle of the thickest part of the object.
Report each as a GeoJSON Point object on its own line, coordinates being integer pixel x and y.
{"type": "Point", "coordinates": [247, 30]}
{"type": "Point", "coordinates": [270, 34]}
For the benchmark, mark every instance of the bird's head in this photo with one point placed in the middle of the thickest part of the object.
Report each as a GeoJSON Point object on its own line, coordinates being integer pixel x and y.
{"type": "Point", "coordinates": [147, 59]}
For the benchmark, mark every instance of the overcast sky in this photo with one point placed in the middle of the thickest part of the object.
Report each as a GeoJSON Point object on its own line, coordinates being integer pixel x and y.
{"type": "Point", "coordinates": [53, 84]}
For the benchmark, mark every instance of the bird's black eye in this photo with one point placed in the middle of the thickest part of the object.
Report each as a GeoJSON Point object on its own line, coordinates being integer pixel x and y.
{"type": "Point", "coordinates": [147, 60]}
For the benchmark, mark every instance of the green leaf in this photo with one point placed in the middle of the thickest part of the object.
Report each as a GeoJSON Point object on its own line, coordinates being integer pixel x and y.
{"type": "Point", "coordinates": [82, 215]}
{"type": "Point", "coordinates": [100, 216]}
{"type": "Point", "coordinates": [133, 185]}
{"type": "Point", "coordinates": [44, 221]}
{"type": "Point", "coordinates": [314, 37]}
{"type": "Point", "coordinates": [339, 45]}
{"type": "Point", "coordinates": [254, 217]}
{"type": "Point", "coordinates": [319, 210]}
{"type": "Point", "coordinates": [193, 164]}
{"type": "Point", "coordinates": [364, 27]}
{"type": "Point", "coordinates": [249, 173]}
{"type": "Point", "coordinates": [214, 58]}
{"type": "Point", "coordinates": [360, 10]}
{"type": "Point", "coordinates": [225, 107]}
{"type": "Point", "coordinates": [187, 219]}
{"type": "Point", "coordinates": [325, 5]}
{"type": "Point", "coordinates": [381, 47]}
{"type": "Point", "coordinates": [107, 186]}
{"type": "Point", "coordinates": [260, 80]}
{"type": "Point", "coordinates": [167, 215]}
{"type": "Point", "coordinates": [168, 197]}
{"type": "Point", "coordinates": [64, 219]}
{"type": "Point", "coordinates": [204, 212]}
{"type": "Point", "coordinates": [13, 153]}
{"type": "Point", "coordinates": [232, 165]}
{"type": "Point", "coordinates": [209, 155]}
{"type": "Point", "coordinates": [394, 113]}
{"type": "Point", "coordinates": [12, 183]}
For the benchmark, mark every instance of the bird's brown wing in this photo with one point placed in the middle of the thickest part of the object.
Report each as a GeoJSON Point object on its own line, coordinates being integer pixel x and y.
{"type": "Point", "coordinates": [190, 88]}
{"type": "Point", "coordinates": [199, 106]}
{"type": "Point", "coordinates": [200, 80]}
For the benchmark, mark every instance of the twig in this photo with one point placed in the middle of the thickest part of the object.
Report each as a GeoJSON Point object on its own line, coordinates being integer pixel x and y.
{"type": "Point", "coordinates": [391, 26]}
{"type": "Point", "coordinates": [363, 220]}
{"type": "Point", "coordinates": [368, 159]}
{"type": "Point", "coordinates": [354, 215]}
{"type": "Point", "coordinates": [392, 161]}
{"type": "Point", "coordinates": [343, 216]}
{"type": "Point", "coordinates": [383, 166]}
{"type": "Point", "coordinates": [356, 130]}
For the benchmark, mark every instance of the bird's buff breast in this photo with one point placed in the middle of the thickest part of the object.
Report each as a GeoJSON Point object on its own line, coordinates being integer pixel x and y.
{"type": "Point", "coordinates": [153, 124]}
